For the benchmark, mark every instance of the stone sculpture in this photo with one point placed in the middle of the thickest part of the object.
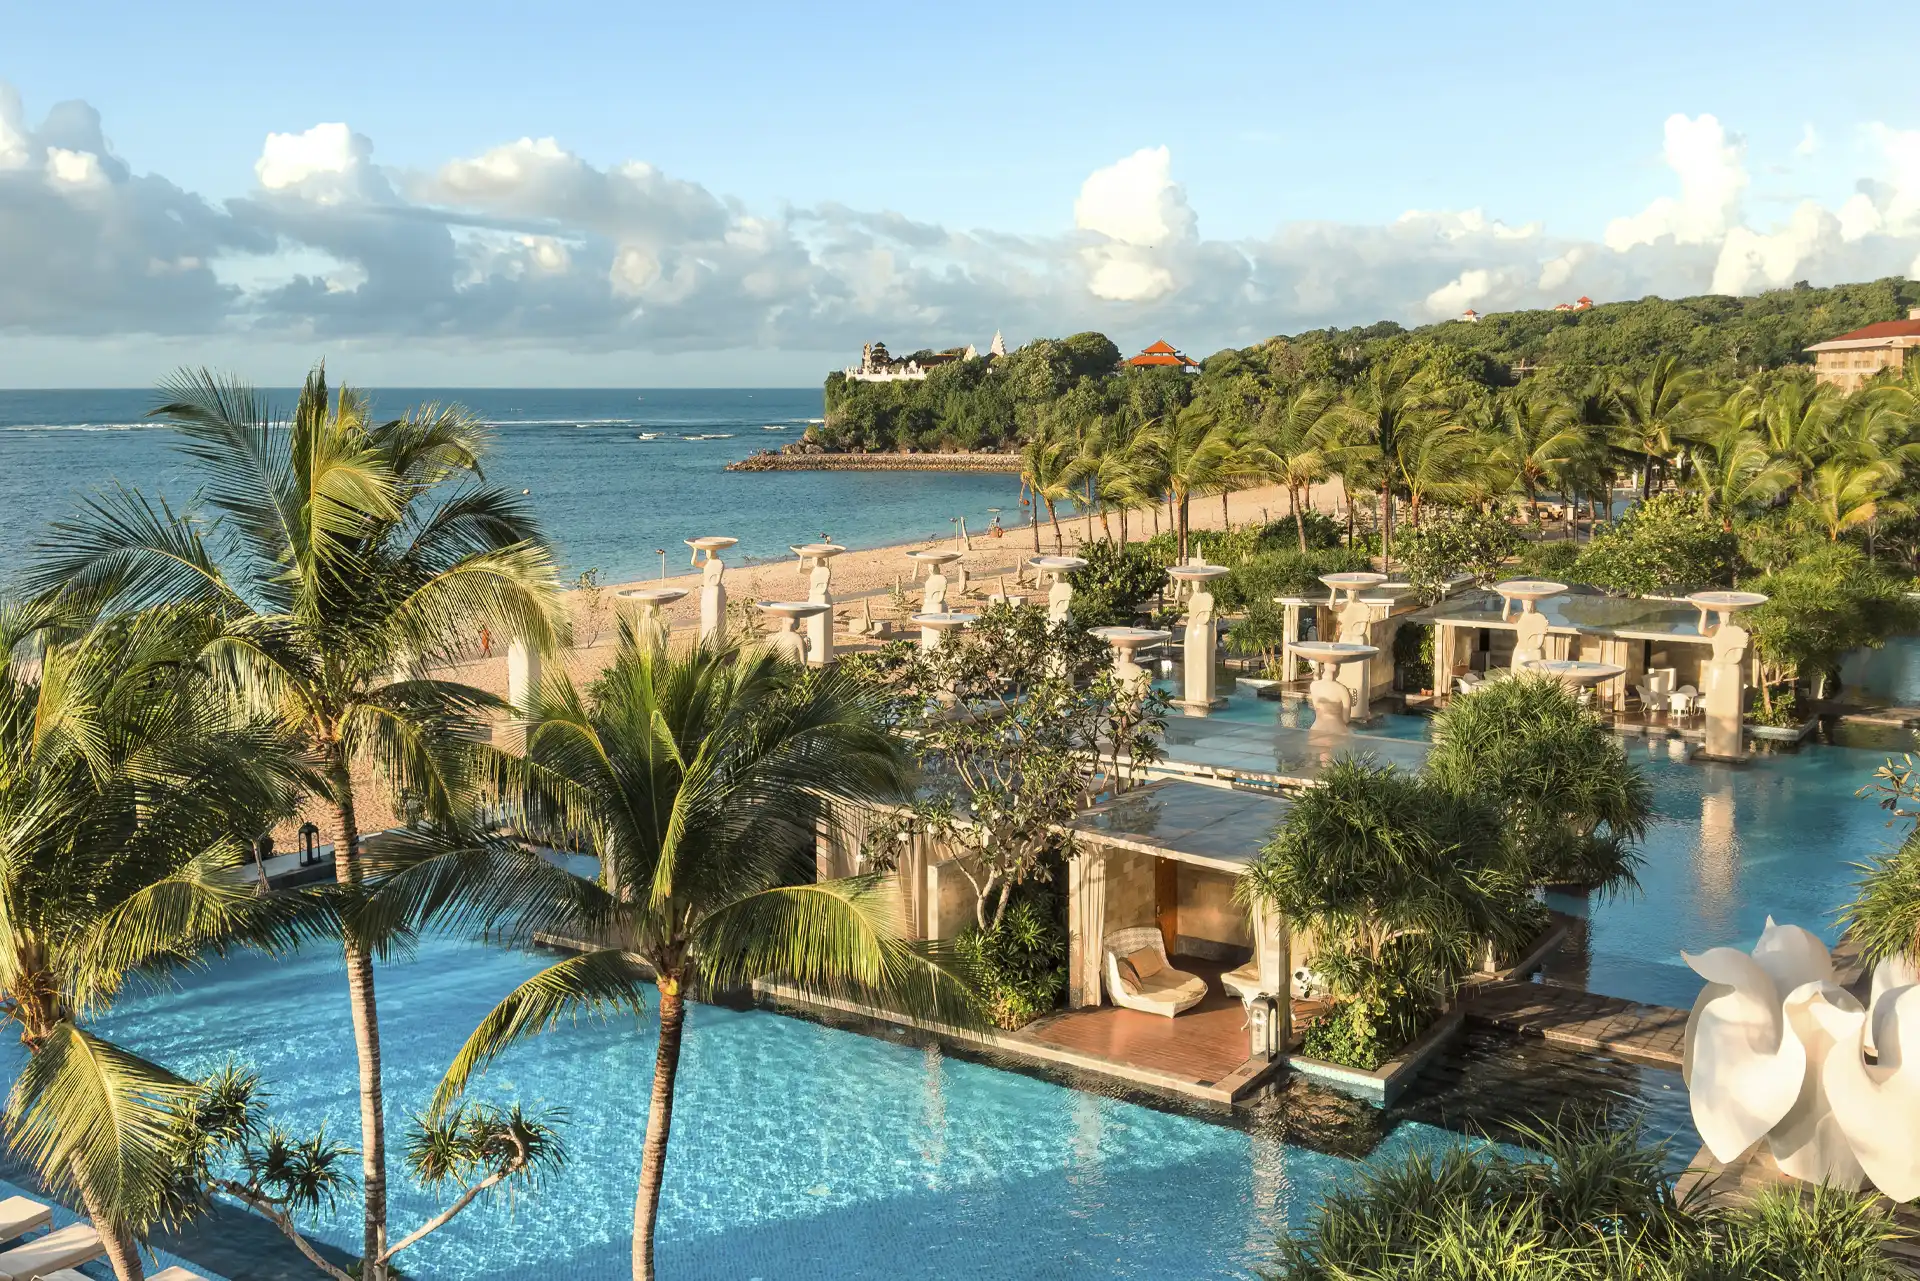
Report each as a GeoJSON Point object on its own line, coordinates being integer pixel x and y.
{"type": "Point", "coordinates": [1775, 1049]}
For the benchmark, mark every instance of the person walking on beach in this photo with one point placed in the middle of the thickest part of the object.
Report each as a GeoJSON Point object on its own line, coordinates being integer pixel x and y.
{"type": "Point", "coordinates": [486, 642]}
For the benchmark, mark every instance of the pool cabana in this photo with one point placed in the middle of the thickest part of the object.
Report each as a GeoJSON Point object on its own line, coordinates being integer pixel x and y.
{"type": "Point", "coordinates": [1653, 640]}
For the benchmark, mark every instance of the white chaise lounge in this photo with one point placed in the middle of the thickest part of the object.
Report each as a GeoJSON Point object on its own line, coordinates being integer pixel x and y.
{"type": "Point", "coordinates": [176, 1274]}
{"type": "Point", "coordinates": [67, 1247]}
{"type": "Point", "coordinates": [20, 1215]}
{"type": "Point", "coordinates": [1139, 978]}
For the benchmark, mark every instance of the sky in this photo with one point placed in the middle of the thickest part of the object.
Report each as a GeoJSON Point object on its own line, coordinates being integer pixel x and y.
{"type": "Point", "coordinates": [572, 194]}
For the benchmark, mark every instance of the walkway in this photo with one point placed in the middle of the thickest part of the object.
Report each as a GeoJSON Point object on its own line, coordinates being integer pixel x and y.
{"type": "Point", "coordinates": [1568, 1016]}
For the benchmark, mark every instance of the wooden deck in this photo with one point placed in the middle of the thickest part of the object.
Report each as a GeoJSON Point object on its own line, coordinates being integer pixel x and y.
{"type": "Point", "coordinates": [1203, 1045]}
{"type": "Point", "coordinates": [1568, 1016]}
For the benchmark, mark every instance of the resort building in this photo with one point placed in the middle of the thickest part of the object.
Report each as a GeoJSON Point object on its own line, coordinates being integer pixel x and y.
{"type": "Point", "coordinates": [1162, 355]}
{"type": "Point", "coordinates": [1850, 360]}
{"type": "Point", "coordinates": [1471, 316]}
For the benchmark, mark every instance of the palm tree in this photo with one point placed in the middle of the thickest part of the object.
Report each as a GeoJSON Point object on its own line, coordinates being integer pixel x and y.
{"type": "Point", "coordinates": [346, 555]}
{"type": "Point", "coordinates": [699, 780]}
{"type": "Point", "coordinates": [128, 790]}
{"type": "Point", "coordinates": [1293, 430]}
{"type": "Point", "coordinates": [1387, 403]}
{"type": "Point", "coordinates": [1047, 472]}
{"type": "Point", "coordinates": [1192, 452]}
{"type": "Point", "coordinates": [1108, 472]}
{"type": "Point", "coordinates": [1535, 438]}
{"type": "Point", "coordinates": [1843, 494]}
{"type": "Point", "coordinates": [1656, 411]}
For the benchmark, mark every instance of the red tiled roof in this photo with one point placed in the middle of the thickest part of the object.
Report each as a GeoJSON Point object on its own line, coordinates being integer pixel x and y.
{"type": "Point", "coordinates": [1885, 329]}
{"type": "Point", "coordinates": [1160, 348]}
{"type": "Point", "coordinates": [1161, 353]}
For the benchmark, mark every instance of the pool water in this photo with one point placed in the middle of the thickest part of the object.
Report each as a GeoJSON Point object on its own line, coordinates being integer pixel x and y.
{"type": "Point", "coordinates": [799, 1150]}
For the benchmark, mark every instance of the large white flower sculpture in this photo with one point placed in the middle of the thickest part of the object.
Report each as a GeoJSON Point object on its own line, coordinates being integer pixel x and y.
{"type": "Point", "coordinates": [1776, 1050]}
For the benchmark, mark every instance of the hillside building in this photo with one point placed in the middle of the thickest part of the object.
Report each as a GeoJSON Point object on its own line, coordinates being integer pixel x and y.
{"type": "Point", "coordinates": [1851, 359]}
{"type": "Point", "coordinates": [1162, 355]}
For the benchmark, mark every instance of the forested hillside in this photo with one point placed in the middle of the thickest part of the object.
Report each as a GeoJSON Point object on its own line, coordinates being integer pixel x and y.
{"type": "Point", "coordinates": [998, 404]}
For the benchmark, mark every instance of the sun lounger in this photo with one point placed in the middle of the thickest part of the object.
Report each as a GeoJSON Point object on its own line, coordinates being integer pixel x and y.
{"type": "Point", "coordinates": [176, 1274]}
{"type": "Point", "coordinates": [20, 1215]}
{"type": "Point", "coordinates": [1161, 989]}
{"type": "Point", "coordinates": [66, 1247]}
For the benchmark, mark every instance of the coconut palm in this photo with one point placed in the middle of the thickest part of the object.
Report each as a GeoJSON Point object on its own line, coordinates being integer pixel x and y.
{"type": "Point", "coordinates": [347, 553]}
{"type": "Point", "coordinates": [1191, 452]}
{"type": "Point", "coordinates": [1293, 429]}
{"type": "Point", "coordinates": [699, 780]}
{"type": "Point", "coordinates": [1108, 472]}
{"type": "Point", "coordinates": [1388, 402]}
{"type": "Point", "coordinates": [1047, 473]}
{"type": "Point", "coordinates": [1533, 436]}
{"type": "Point", "coordinates": [1841, 494]}
{"type": "Point", "coordinates": [128, 792]}
{"type": "Point", "coordinates": [1656, 412]}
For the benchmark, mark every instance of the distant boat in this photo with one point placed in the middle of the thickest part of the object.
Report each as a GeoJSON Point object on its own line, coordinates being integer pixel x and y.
{"type": "Point", "coordinates": [647, 435]}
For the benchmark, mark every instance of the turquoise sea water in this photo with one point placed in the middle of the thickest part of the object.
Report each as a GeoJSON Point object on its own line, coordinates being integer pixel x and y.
{"type": "Point", "coordinates": [798, 1151]}
{"type": "Point", "coordinates": [606, 497]}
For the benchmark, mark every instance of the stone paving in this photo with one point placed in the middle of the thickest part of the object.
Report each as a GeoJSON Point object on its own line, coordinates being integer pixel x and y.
{"type": "Point", "coordinates": [1569, 1016]}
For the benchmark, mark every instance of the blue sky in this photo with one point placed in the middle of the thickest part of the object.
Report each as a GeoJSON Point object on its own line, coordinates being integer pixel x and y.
{"type": "Point", "coordinates": [820, 174]}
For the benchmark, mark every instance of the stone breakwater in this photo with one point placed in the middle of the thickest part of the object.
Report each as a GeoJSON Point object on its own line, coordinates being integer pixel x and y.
{"type": "Point", "coordinates": [771, 460]}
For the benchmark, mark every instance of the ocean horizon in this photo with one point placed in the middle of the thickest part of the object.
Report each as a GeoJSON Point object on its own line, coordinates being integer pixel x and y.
{"type": "Point", "coordinates": [615, 474]}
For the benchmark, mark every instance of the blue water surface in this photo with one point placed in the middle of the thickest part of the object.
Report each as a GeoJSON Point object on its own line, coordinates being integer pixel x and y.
{"type": "Point", "coordinates": [798, 1150]}
{"type": "Point", "coordinates": [606, 497]}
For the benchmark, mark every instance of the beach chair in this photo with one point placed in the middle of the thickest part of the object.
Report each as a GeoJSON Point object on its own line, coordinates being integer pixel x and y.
{"type": "Point", "coordinates": [1139, 978]}
{"type": "Point", "coordinates": [67, 1247]}
{"type": "Point", "coordinates": [176, 1273]}
{"type": "Point", "coordinates": [20, 1215]}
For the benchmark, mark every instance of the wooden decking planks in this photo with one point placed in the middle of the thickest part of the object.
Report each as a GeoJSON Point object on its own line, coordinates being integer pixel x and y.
{"type": "Point", "coordinates": [1569, 1016]}
{"type": "Point", "coordinates": [1203, 1045]}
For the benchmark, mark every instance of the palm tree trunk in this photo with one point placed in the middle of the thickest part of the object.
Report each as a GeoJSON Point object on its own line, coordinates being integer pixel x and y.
{"type": "Point", "coordinates": [366, 1036]}
{"type": "Point", "coordinates": [1180, 539]}
{"type": "Point", "coordinates": [121, 1251]}
{"type": "Point", "coordinates": [653, 1151]}
{"type": "Point", "coordinates": [1054, 518]}
{"type": "Point", "coordinates": [1035, 509]}
{"type": "Point", "coordinates": [1226, 518]}
{"type": "Point", "coordinates": [1386, 528]}
{"type": "Point", "coordinates": [1299, 522]}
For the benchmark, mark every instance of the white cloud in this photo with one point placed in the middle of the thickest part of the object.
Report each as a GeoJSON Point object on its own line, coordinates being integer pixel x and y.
{"type": "Point", "coordinates": [1712, 172]}
{"type": "Point", "coordinates": [528, 246]}
{"type": "Point", "coordinates": [1809, 141]}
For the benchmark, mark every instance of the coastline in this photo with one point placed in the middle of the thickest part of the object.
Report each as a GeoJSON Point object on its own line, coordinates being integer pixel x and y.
{"type": "Point", "coordinates": [775, 460]}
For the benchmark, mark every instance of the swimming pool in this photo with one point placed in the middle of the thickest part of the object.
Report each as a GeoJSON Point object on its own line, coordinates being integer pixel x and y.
{"type": "Point", "coordinates": [799, 1150]}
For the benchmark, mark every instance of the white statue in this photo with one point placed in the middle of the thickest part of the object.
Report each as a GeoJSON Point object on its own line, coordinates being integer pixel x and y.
{"type": "Point", "coordinates": [1059, 599]}
{"type": "Point", "coordinates": [1776, 1050]}
{"type": "Point", "coordinates": [933, 597]}
{"type": "Point", "coordinates": [1529, 640]}
{"type": "Point", "coordinates": [820, 626]}
{"type": "Point", "coordinates": [713, 602]}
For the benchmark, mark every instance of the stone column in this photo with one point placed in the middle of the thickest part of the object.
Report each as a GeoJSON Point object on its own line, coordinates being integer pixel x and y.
{"type": "Point", "coordinates": [1059, 599]}
{"type": "Point", "coordinates": [523, 678]}
{"type": "Point", "coordinates": [1197, 650]}
{"type": "Point", "coordinates": [713, 602]}
{"type": "Point", "coordinates": [933, 597]}
{"type": "Point", "coordinates": [1356, 628]}
{"type": "Point", "coordinates": [1726, 692]}
{"type": "Point", "coordinates": [820, 626]}
{"type": "Point", "coordinates": [1290, 632]}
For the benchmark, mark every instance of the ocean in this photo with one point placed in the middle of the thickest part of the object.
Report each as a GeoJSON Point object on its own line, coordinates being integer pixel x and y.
{"type": "Point", "coordinates": [615, 476]}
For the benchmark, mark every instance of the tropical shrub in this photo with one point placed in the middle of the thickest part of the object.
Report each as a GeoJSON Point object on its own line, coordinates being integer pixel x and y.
{"type": "Point", "coordinates": [1456, 540]}
{"type": "Point", "coordinates": [1668, 543]}
{"type": "Point", "coordinates": [1589, 1202]}
{"type": "Point", "coordinates": [1117, 579]}
{"type": "Point", "coordinates": [1017, 963]}
{"type": "Point", "coordinates": [1817, 609]}
{"type": "Point", "coordinates": [1283, 573]}
{"type": "Point", "coordinates": [1884, 918]}
{"type": "Point", "coordinates": [1402, 883]}
{"type": "Point", "coordinates": [1573, 802]}
{"type": "Point", "coordinates": [1551, 560]}
{"type": "Point", "coordinates": [1413, 655]}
